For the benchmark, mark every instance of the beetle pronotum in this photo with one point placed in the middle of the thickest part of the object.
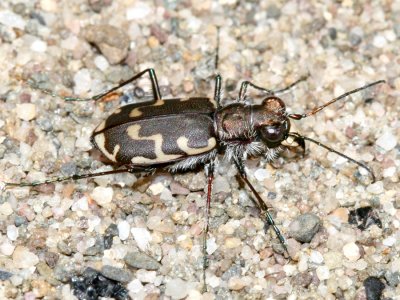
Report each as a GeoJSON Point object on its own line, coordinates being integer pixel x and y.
{"type": "Point", "coordinates": [180, 134]}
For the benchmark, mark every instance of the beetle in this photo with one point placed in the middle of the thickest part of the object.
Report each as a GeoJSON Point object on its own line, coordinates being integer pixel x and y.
{"type": "Point", "coordinates": [183, 133]}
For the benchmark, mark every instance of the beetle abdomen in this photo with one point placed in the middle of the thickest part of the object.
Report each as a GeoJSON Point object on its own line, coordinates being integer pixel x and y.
{"type": "Point", "coordinates": [157, 140]}
{"type": "Point", "coordinates": [140, 111]}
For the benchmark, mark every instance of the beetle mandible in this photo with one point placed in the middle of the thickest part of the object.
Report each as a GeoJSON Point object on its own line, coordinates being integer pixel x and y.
{"type": "Point", "coordinates": [183, 133]}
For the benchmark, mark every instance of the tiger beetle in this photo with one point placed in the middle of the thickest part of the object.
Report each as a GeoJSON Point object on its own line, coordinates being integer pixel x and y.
{"type": "Point", "coordinates": [183, 133]}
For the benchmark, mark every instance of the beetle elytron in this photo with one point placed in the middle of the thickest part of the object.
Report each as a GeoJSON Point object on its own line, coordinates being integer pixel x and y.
{"type": "Point", "coordinates": [179, 134]}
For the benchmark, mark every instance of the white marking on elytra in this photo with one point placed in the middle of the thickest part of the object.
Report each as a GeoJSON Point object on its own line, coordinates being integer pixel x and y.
{"type": "Point", "coordinates": [133, 133]}
{"type": "Point", "coordinates": [100, 140]}
{"type": "Point", "coordinates": [183, 145]}
{"type": "Point", "coordinates": [136, 112]}
{"type": "Point", "coordinates": [101, 126]}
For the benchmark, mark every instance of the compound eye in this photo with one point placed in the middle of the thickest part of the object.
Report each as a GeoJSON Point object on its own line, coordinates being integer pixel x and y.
{"type": "Point", "coordinates": [274, 134]}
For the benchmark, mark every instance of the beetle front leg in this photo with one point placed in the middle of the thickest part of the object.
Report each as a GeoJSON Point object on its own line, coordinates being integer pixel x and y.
{"type": "Point", "coordinates": [152, 75]}
{"type": "Point", "coordinates": [260, 203]}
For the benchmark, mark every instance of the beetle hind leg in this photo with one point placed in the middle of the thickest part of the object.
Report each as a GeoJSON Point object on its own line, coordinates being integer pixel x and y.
{"type": "Point", "coordinates": [152, 75]}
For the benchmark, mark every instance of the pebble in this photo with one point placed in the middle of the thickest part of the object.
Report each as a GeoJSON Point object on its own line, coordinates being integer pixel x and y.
{"type": "Point", "coordinates": [387, 141]}
{"type": "Point", "coordinates": [116, 274]}
{"type": "Point", "coordinates": [6, 248]}
{"type": "Point", "coordinates": [156, 188]}
{"type": "Point", "coordinates": [12, 232]}
{"type": "Point", "coordinates": [113, 42]}
{"type": "Point", "coordinates": [316, 257]}
{"type": "Point", "coordinates": [26, 111]}
{"type": "Point", "coordinates": [261, 174]}
{"type": "Point", "coordinates": [304, 227]}
{"type": "Point", "coordinates": [6, 209]}
{"type": "Point", "coordinates": [141, 260]}
{"type": "Point", "coordinates": [82, 82]}
{"type": "Point", "coordinates": [4, 275]}
{"type": "Point", "coordinates": [23, 258]}
{"type": "Point", "coordinates": [351, 251]}
{"type": "Point", "coordinates": [323, 272]}
{"type": "Point", "coordinates": [123, 230]}
{"type": "Point", "coordinates": [221, 184]}
{"type": "Point", "coordinates": [373, 288]}
{"type": "Point", "coordinates": [101, 63]}
{"type": "Point", "coordinates": [232, 242]}
{"type": "Point", "coordinates": [142, 237]}
{"type": "Point", "coordinates": [102, 195]}
{"type": "Point", "coordinates": [10, 19]}
{"type": "Point", "coordinates": [376, 188]}
{"type": "Point", "coordinates": [176, 288]}
{"type": "Point", "coordinates": [39, 46]}
{"type": "Point", "coordinates": [236, 284]}
{"type": "Point", "coordinates": [139, 11]}
{"type": "Point", "coordinates": [146, 276]}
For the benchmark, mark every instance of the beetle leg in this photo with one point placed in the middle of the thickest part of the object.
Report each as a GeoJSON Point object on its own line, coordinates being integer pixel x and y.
{"type": "Point", "coordinates": [152, 75]}
{"type": "Point", "coordinates": [260, 203]}
{"type": "Point", "coordinates": [210, 175]}
{"type": "Point", "coordinates": [245, 84]}
{"type": "Point", "coordinates": [217, 91]}
{"type": "Point", "coordinates": [64, 178]}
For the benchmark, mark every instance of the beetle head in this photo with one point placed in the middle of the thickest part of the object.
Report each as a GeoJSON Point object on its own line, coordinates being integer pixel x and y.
{"type": "Point", "coordinates": [270, 121]}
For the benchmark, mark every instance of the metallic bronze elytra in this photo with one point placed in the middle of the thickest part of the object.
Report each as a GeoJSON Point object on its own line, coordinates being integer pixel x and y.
{"type": "Point", "coordinates": [180, 134]}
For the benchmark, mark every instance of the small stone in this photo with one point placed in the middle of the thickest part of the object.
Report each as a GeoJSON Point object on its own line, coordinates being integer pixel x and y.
{"type": "Point", "coordinates": [261, 174]}
{"type": "Point", "coordinates": [176, 289]}
{"type": "Point", "coordinates": [387, 141]}
{"type": "Point", "coordinates": [12, 232]}
{"type": "Point", "coordinates": [123, 230]}
{"type": "Point", "coordinates": [116, 274]}
{"type": "Point", "coordinates": [303, 279]}
{"type": "Point", "coordinates": [4, 275]}
{"type": "Point", "coordinates": [23, 258]}
{"type": "Point", "coordinates": [389, 241]}
{"type": "Point", "coordinates": [323, 272]}
{"type": "Point", "coordinates": [101, 63]}
{"type": "Point", "coordinates": [102, 195]}
{"type": "Point", "coordinates": [146, 276]}
{"type": "Point", "coordinates": [376, 188]}
{"type": "Point", "coordinates": [351, 251]}
{"type": "Point", "coordinates": [156, 188]}
{"type": "Point", "coordinates": [135, 287]}
{"type": "Point", "coordinates": [236, 284]}
{"type": "Point", "coordinates": [304, 227]}
{"type": "Point", "coordinates": [211, 246]}
{"type": "Point", "coordinates": [6, 209]}
{"type": "Point", "coordinates": [82, 81]}
{"type": "Point", "coordinates": [316, 257]}
{"type": "Point", "coordinates": [142, 237]}
{"type": "Point", "coordinates": [232, 242]}
{"type": "Point", "coordinates": [373, 287]}
{"type": "Point", "coordinates": [379, 41]}
{"type": "Point", "coordinates": [39, 46]}
{"type": "Point", "coordinates": [159, 224]}
{"type": "Point", "coordinates": [26, 111]}
{"type": "Point", "coordinates": [177, 189]}
{"type": "Point", "coordinates": [392, 278]}
{"type": "Point", "coordinates": [6, 248]}
{"type": "Point", "coordinates": [112, 41]}
{"type": "Point", "coordinates": [10, 19]}
{"type": "Point", "coordinates": [140, 260]}
{"type": "Point", "coordinates": [221, 184]}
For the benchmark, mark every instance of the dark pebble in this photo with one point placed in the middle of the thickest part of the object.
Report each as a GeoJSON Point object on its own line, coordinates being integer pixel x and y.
{"type": "Point", "coordinates": [233, 271]}
{"type": "Point", "coordinates": [304, 227]}
{"type": "Point", "coordinates": [51, 258]}
{"type": "Point", "coordinates": [140, 260]}
{"type": "Point", "coordinates": [109, 234]}
{"type": "Point", "coordinates": [273, 12]}
{"type": "Point", "coordinates": [355, 39]}
{"type": "Point", "coordinates": [92, 285]}
{"type": "Point", "coordinates": [373, 288]}
{"type": "Point", "coordinates": [20, 220]}
{"type": "Point", "coordinates": [116, 274]}
{"type": "Point", "coordinates": [4, 275]}
{"type": "Point", "coordinates": [302, 279]}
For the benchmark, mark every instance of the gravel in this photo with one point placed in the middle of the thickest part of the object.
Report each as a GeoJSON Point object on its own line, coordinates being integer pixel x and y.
{"type": "Point", "coordinates": [341, 228]}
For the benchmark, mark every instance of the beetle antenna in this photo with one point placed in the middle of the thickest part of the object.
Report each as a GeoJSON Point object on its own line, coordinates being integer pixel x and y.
{"type": "Point", "coordinates": [318, 108]}
{"type": "Point", "coordinates": [362, 165]}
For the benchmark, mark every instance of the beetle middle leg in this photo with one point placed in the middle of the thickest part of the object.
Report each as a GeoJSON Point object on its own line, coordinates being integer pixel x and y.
{"type": "Point", "coordinates": [245, 84]}
{"type": "Point", "coordinates": [260, 203]}
{"type": "Point", "coordinates": [153, 78]}
{"type": "Point", "coordinates": [210, 178]}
